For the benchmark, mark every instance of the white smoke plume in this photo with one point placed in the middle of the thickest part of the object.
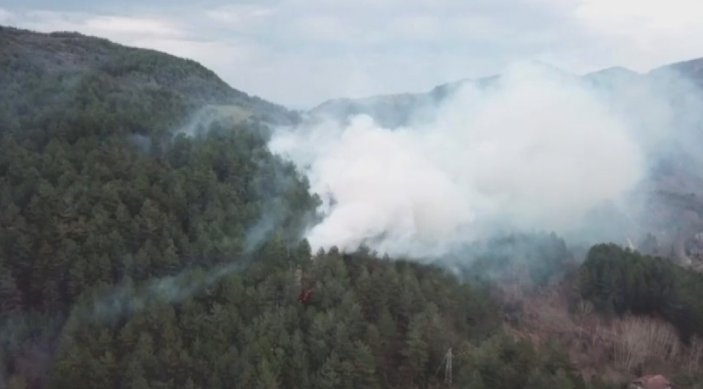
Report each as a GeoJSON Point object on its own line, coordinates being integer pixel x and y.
{"type": "Point", "coordinates": [538, 150]}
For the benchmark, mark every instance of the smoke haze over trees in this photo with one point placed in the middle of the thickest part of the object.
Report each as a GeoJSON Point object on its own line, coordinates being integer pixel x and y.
{"type": "Point", "coordinates": [161, 229]}
{"type": "Point", "coordinates": [533, 149]}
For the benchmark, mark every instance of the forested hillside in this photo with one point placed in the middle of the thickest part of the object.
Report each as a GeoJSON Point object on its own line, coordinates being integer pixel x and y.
{"type": "Point", "coordinates": [618, 281]}
{"type": "Point", "coordinates": [134, 254]}
{"type": "Point", "coordinates": [67, 82]}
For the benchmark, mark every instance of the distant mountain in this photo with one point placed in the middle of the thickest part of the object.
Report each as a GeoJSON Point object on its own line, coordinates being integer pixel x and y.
{"type": "Point", "coordinates": [691, 69]}
{"type": "Point", "coordinates": [395, 110]}
{"type": "Point", "coordinates": [613, 78]}
{"type": "Point", "coordinates": [612, 72]}
{"type": "Point", "coordinates": [61, 70]}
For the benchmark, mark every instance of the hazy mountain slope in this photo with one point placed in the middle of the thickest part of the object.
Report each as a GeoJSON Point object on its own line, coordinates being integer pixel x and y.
{"type": "Point", "coordinates": [98, 195]}
{"type": "Point", "coordinates": [388, 110]}
{"type": "Point", "coordinates": [398, 109]}
{"type": "Point", "coordinates": [395, 110]}
{"type": "Point", "coordinates": [691, 69]}
{"type": "Point", "coordinates": [672, 191]}
{"type": "Point", "coordinates": [56, 71]}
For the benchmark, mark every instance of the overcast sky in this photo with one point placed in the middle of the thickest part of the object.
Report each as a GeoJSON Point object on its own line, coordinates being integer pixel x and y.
{"type": "Point", "coordinates": [302, 52]}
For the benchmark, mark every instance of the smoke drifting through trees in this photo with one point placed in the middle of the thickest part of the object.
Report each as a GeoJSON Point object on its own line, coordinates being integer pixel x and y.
{"type": "Point", "coordinates": [536, 150]}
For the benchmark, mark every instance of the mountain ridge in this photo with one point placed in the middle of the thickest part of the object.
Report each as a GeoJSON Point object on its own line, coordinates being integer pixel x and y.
{"type": "Point", "coordinates": [63, 61]}
{"type": "Point", "coordinates": [394, 110]}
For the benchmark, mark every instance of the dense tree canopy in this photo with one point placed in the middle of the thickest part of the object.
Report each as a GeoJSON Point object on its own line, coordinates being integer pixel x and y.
{"type": "Point", "coordinates": [142, 247]}
{"type": "Point", "coordinates": [617, 280]}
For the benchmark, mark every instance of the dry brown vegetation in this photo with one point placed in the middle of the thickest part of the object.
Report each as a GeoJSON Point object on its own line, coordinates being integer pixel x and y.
{"type": "Point", "coordinates": [614, 349]}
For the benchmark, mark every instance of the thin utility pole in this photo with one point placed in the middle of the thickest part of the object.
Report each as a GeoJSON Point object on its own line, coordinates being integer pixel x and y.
{"type": "Point", "coordinates": [448, 367]}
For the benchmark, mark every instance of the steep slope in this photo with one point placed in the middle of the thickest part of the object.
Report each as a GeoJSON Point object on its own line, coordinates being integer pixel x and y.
{"type": "Point", "coordinates": [42, 75]}
{"type": "Point", "coordinates": [99, 196]}
{"type": "Point", "coordinates": [677, 201]}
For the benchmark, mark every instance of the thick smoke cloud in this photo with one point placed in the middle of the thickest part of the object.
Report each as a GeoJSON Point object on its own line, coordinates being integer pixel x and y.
{"type": "Point", "coordinates": [537, 150]}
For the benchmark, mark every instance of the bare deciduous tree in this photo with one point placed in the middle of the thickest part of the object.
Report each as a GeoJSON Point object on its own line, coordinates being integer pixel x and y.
{"type": "Point", "coordinates": [640, 341]}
